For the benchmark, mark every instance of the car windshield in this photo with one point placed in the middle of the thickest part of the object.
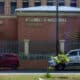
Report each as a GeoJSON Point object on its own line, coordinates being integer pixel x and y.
{"type": "Point", "coordinates": [74, 53]}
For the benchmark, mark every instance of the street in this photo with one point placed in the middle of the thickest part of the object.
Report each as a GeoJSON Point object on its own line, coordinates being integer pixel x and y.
{"type": "Point", "coordinates": [39, 71]}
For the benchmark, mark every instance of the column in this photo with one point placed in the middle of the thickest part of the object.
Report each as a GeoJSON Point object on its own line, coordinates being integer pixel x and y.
{"type": "Point", "coordinates": [54, 2]}
{"type": "Point", "coordinates": [67, 2]}
{"type": "Point", "coordinates": [43, 2]}
{"type": "Point", "coordinates": [7, 7]}
{"type": "Point", "coordinates": [31, 3]}
{"type": "Point", "coordinates": [26, 47]}
{"type": "Point", "coordinates": [78, 3]}
{"type": "Point", "coordinates": [62, 42]}
{"type": "Point", "coordinates": [19, 3]}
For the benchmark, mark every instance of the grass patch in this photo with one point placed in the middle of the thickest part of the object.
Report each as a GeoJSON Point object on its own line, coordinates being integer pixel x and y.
{"type": "Point", "coordinates": [36, 77]}
{"type": "Point", "coordinates": [18, 77]}
{"type": "Point", "coordinates": [61, 77]}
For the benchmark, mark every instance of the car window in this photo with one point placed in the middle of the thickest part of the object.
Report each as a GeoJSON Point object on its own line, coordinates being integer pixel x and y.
{"type": "Point", "coordinates": [74, 53]}
{"type": "Point", "coordinates": [6, 56]}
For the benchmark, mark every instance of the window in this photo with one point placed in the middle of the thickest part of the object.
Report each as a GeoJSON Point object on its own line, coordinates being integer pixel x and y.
{"type": "Point", "coordinates": [37, 3]}
{"type": "Point", "coordinates": [61, 2]}
{"type": "Point", "coordinates": [73, 3]}
{"type": "Point", "coordinates": [74, 53]}
{"type": "Point", "coordinates": [13, 7]}
{"type": "Point", "coordinates": [2, 8]}
{"type": "Point", "coordinates": [50, 2]}
{"type": "Point", "coordinates": [25, 3]}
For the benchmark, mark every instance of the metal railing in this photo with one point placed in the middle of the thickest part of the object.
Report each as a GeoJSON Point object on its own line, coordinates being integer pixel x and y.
{"type": "Point", "coordinates": [18, 48]}
{"type": "Point", "coordinates": [35, 54]}
{"type": "Point", "coordinates": [72, 44]}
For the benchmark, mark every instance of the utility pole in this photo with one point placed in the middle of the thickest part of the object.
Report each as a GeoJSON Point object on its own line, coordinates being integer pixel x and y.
{"type": "Point", "coordinates": [57, 27]}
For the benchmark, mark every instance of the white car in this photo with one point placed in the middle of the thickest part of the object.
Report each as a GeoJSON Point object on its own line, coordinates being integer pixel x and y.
{"type": "Point", "coordinates": [74, 56]}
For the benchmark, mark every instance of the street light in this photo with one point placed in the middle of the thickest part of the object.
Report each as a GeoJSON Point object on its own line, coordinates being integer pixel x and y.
{"type": "Point", "coordinates": [57, 27]}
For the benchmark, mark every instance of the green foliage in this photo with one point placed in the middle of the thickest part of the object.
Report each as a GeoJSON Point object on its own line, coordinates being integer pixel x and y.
{"type": "Point", "coordinates": [63, 77]}
{"type": "Point", "coordinates": [48, 75]}
{"type": "Point", "coordinates": [36, 77]}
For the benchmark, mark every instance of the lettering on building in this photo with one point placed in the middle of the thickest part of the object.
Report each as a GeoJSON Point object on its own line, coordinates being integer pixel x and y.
{"type": "Point", "coordinates": [39, 20]}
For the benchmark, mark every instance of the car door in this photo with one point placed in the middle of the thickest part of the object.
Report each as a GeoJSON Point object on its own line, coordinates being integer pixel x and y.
{"type": "Point", "coordinates": [6, 60]}
{"type": "Point", "coordinates": [73, 56]}
{"type": "Point", "coordinates": [1, 59]}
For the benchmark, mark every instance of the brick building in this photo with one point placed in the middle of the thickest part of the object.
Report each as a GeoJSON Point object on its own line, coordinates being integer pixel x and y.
{"type": "Point", "coordinates": [35, 27]}
{"type": "Point", "coordinates": [7, 7]}
{"type": "Point", "coordinates": [38, 25]}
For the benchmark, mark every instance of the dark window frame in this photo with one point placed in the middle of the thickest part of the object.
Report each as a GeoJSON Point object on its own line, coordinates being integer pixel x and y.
{"type": "Point", "coordinates": [61, 2]}
{"type": "Point", "coordinates": [37, 3]}
{"type": "Point", "coordinates": [25, 3]}
{"type": "Point", "coordinates": [13, 6]}
{"type": "Point", "coordinates": [50, 2]}
{"type": "Point", "coordinates": [73, 3]}
{"type": "Point", "coordinates": [2, 6]}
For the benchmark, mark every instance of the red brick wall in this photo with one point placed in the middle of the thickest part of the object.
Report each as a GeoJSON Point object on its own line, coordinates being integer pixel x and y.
{"type": "Point", "coordinates": [72, 26]}
{"type": "Point", "coordinates": [33, 64]}
{"type": "Point", "coordinates": [41, 32]}
{"type": "Point", "coordinates": [46, 31]}
{"type": "Point", "coordinates": [8, 29]}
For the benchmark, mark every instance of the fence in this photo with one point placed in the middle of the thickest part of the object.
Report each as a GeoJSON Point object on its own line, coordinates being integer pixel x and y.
{"type": "Point", "coordinates": [38, 51]}
{"type": "Point", "coordinates": [72, 44]}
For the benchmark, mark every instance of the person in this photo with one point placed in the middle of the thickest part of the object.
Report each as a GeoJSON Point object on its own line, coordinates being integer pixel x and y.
{"type": "Point", "coordinates": [60, 60]}
{"type": "Point", "coordinates": [62, 57]}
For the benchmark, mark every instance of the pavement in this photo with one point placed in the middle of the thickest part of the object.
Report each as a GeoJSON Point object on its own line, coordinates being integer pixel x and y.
{"type": "Point", "coordinates": [6, 73]}
{"type": "Point", "coordinates": [37, 72]}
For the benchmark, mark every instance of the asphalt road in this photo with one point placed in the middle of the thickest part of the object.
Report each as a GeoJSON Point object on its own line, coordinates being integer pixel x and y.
{"type": "Point", "coordinates": [38, 71]}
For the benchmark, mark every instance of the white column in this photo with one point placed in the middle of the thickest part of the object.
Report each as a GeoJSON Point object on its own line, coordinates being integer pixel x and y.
{"type": "Point", "coordinates": [67, 2]}
{"type": "Point", "coordinates": [26, 47]}
{"type": "Point", "coordinates": [62, 42]}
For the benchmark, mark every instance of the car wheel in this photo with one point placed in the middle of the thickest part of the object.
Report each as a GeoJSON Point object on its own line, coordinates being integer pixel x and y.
{"type": "Point", "coordinates": [60, 67]}
{"type": "Point", "coordinates": [16, 66]}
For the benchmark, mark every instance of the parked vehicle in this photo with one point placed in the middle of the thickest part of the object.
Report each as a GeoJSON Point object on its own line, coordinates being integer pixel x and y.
{"type": "Point", "coordinates": [74, 60]}
{"type": "Point", "coordinates": [10, 60]}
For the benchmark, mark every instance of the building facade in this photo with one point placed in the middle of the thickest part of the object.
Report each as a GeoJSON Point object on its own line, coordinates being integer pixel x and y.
{"type": "Point", "coordinates": [36, 28]}
{"type": "Point", "coordinates": [33, 31]}
{"type": "Point", "coordinates": [7, 7]}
